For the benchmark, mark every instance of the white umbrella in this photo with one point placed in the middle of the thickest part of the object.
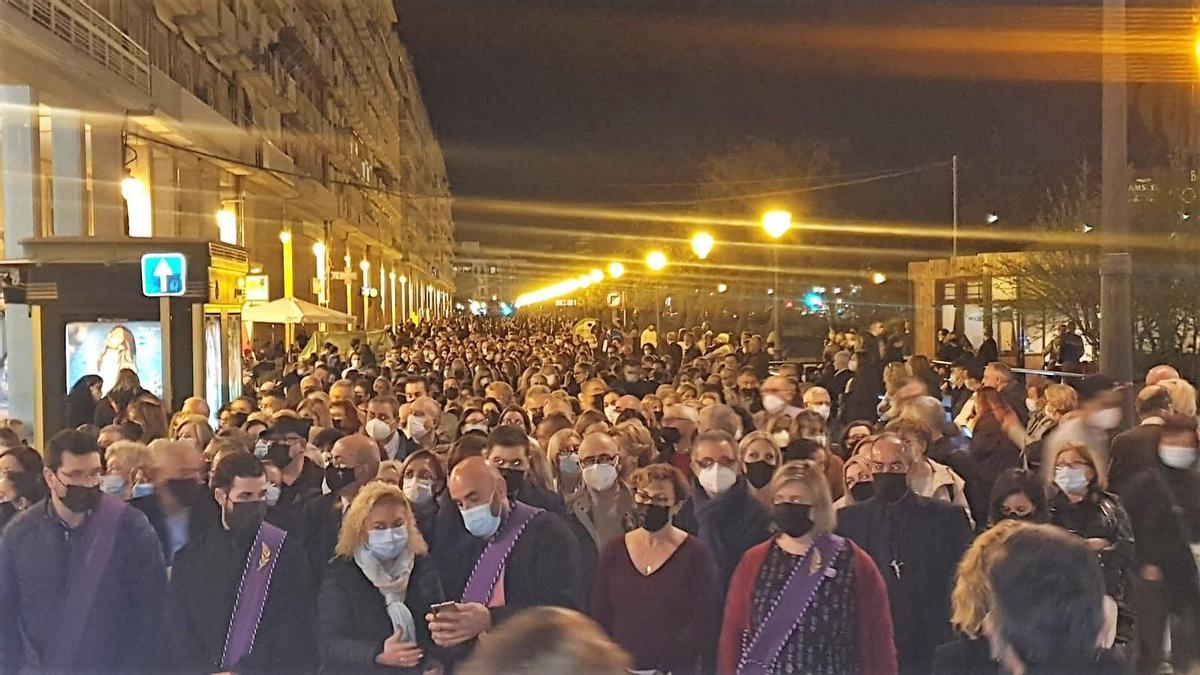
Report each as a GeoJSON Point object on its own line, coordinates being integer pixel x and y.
{"type": "Point", "coordinates": [293, 311]}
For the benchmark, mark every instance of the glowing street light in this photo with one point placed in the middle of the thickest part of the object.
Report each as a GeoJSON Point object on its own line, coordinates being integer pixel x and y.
{"type": "Point", "coordinates": [721, 288]}
{"type": "Point", "coordinates": [878, 278]}
{"type": "Point", "coordinates": [776, 223]}
{"type": "Point", "coordinates": [656, 261]}
{"type": "Point", "coordinates": [616, 270]}
{"type": "Point", "coordinates": [702, 244]}
{"type": "Point", "coordinates": [597, 276]}
{"type": "Point", "coordinates": [285, 237]}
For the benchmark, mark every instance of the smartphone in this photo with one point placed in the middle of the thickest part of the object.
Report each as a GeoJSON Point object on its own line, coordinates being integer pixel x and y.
{"type": "Point", "coordinates": [442, 607]}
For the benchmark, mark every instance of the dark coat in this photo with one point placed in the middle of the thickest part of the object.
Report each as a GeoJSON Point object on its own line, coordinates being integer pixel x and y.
{"type": "Point", "coordinates": [729, 525]}
{"type": "Point", "coordinates": [1164, 507]}
{"type": "Point", "coordinates": [927, 538]}
{"type": "Point", "coordinates": [205, 580]}
{"type": "Point", "coordinates": [861, 401]}
{"type": "Point", "coordinates": [123, 628]}
{"type": "Point", "coordinates": [975, 486]}
{"type": "Point", "coordinates": [320, 522]}
{"type": "Point", "coordinates": [205, 514]}
{"type": "Point", "coordinates": [993, 450]}
{"type": "Point", "coordinates": [353, 621]}
{"type": "Point", "coordinates": [1133, 451]}
{"type": "Point", "coordinates": [543, 568]}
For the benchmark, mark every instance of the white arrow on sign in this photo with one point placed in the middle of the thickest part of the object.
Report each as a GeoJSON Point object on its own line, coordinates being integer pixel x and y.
{"type": "Point", "coordinates": [163, 273]}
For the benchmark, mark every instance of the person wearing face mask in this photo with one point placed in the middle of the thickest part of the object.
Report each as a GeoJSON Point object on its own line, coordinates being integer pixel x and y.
{"type": "Point", "coordinates": [82, 575]}
{"type": "Point", "coordinates": [378, 590]}
{"type": "Point", "coordinates": [509, 450]}
{"type": "Point", "coordinates": [510, 556]}
{"type": "Point", "coordinates": [778, 395]}
{"type": "Point", "coordinates": [287, 441]}
{"type": "Point", "coordinates": [423, 481]}
{"type": "Point", "coordinates": [603, 509]}
{"type": "Point", "coordinates": [915, 542]}
{"type": "Point", "coordinates": [423, 425]}
{"type": "Point", "coordinates": [721, 511]}
{"type": "Point", "coordinates": [473, 421]}
{"type": "Point", "coordinates": [858, 481]}
{"type": "Point", "coordinates": [861, 398]}
{"type": "Point", "coordinates": [1018, 494]}
{"type": "Point", "coordinates": [19, 491]}
{"type": "Point", "coordinates": [383, 427]}
{"type": "Point", "coordinates": [680, 424]}
{"type": "Point", "coordinates": [655, 587]}
{"type": "Point", "coordinates": [1136, 449]}
{"type": "Point", "coordinates": [760, 456]}
{"type": "Point", "coordinates": [127, 464]}
{"type": "Point", "coordinates": [805, 587]}
{"type": "Point", "coordinates": [353, 462]}
{"type": "Point", "coordinates": [1163, 502]}
{"type": "Point", "coordinates": [239, 593]}
{"type": "Point", "coordinates": [1093, 423]}
{"type": "Point", "coordinates": [563, 455]}
{"type": "Point", "coordinates": [818, 400]}
{"type": "Point", "coordinates": [180, 507]}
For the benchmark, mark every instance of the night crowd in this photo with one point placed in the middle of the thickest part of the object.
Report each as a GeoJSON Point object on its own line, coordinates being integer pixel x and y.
{"type": "Point", "coordinates": [487, 496]}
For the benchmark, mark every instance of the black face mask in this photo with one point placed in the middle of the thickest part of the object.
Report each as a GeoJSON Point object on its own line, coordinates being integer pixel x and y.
{"type": "Point", "coordinates": [653, 517]}
{"type": "Point", "coordinates": [279, 454]}
{"type": "Point", "coordinates": [670, 435]}
{"type": "Point", "coordinates": [792, 519]}
{"type": "Point", "coordinates": [759, 473]}
{"type": "Point", "coordinates": [1021, 517]}
{"type": "Point", "coordinates": [185, 490]}
{"type": "Point", "coordinates": [749, 393]}
{"type": "Point", "coordinates": [80, 499]}
{"type": "Point", "coordinates": [337, 478]}
{"type": "Point", "coordinates": [244, 518]}
{"type": "Point", "coordinates": [451, 394]}
{"type": "Point", "coordinates": [514, 480]}
{"type": "Point", "coordinates": [891, 487]}
{"type": "Point", "coordinates": [862, 491]}
{"type": "Point", "coordinates": [7, 511]}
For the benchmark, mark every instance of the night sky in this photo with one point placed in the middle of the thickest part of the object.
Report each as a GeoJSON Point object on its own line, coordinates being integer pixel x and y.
{"type": "Point", "coordinates": [584, 102]}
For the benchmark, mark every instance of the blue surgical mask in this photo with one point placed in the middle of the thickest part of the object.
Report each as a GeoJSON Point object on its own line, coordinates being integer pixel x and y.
{"type": "Point", "coordinates": [261, 448]}
{"type": "Point", "coordinates": [568, 464]}
{"type": "Point", "coordinates": [1071, 480]}
{"type": "Point", "coordinates": [272, 495]}
{"type": "Point", "coordinates": [142, 490]}
{"type": "Point", "coordinates": [387, 544]}
{"type": "Point", "coordinates": [112, 484]}
{"type": "Point", "coordinates": [480, 521]}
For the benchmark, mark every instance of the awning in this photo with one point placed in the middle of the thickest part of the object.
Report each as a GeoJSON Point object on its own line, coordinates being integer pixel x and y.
{"type": "Point", "coordinates": [294, 311]}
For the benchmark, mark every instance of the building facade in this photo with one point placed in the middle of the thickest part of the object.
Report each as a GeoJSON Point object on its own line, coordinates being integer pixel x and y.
{"type": "Point", "coordinates": [292, 132]}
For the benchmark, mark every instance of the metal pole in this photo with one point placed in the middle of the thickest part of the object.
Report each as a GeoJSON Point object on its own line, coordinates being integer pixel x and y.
{"type": "Point", "coordinates": [1116, 336]}
{"type": "Point", "coordinates": [775, 302]}
{"type": "Point", "coordinates": [954, 198]}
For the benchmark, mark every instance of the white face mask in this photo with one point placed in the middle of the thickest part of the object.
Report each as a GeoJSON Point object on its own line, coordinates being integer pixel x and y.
{"type": "Point", "coordinates": [822, 409]}
{"type": "Point", "coordinates": [1071, 480]}
{"type": "Point", "coordinates": [716, 479]}
{"type": "Point", "coordinates": [853, 367]}
{"type": "Point", "coordinates": [610, 411]}
{"type": "Point", "coordinates": [773, 404]}
{"type": "Point", "coordinates": [600, 477]}
{"type": "Point", "coordinates": [417, 427]}
{"type": "Point", "coordinates": [418, 490]}
{"type": "Point", "coordinates": [1106, 419]}
{"type": "Point", "coordinates": [481, 426]}
{"type": "Point", "coordinates": [1031, 404]}
{"type": "Point", "coordinates": [1177, 456]}
{"type": "Point", "coordinates": [378, 430]}
{"type": "Point", "coordinates": [781, 438]}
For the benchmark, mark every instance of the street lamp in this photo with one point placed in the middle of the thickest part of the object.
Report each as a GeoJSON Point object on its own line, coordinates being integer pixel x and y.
{"type": "Point", "coordinates": [721, 288]}
{"type": "Point", "coordinates": [597, 276]}
{"type": "Point", "coordinates": [878, 278]}
{"type": "Point", "coordinates": [702, 244]}
{"type": "Point", "coordinates": [657, 262]}
{"type": "Point", "coordinates": [616, 270]}
{"type": "Point", "coordinates": [365, 266]}
{"type": "Point", "coordinates": [776, 224]}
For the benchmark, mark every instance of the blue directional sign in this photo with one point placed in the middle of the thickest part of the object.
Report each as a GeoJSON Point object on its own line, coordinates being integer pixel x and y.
{"type": "Point", "coordinates": [164, 274]}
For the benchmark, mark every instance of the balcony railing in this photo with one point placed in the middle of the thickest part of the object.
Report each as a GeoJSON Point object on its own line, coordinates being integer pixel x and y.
{"type": "Point", "coordinates": [75, 22]}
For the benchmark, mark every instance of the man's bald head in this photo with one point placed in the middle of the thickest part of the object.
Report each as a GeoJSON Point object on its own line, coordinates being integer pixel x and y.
{"type": "Point", "coordinates": [175, 460]}
{"type": "Point", "coordinates": [681, 411]}
{"type": "Point", "coordinates": [198, 406]}
{"type": "Point", "coordinates": [598, 443]}
{"type": "Point", "coordinates": [475, 481]}
{"type": "Point", "coordinates": [558, 406]}
{"type": "Point", "coordinates": [309, 384]}
{"type": "Point", "coordinates": [1162, 372]}
{"type": "Point", "coordinates": [720, 417]}
{"type": "Point", "coordinates": [428, 408]}
{"type": "Point", "coordinates": [355, 451]}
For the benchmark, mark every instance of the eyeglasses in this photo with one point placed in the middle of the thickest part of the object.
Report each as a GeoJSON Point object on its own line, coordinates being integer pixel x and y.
{"type": "Point", "coordinates": [80, 477]}
{"type": "Point", "coordinates": [508, 463]}
{"type": "Point", "coordinates": [656, 500]}
{"type": "Point", "coordinates": [598, 459]}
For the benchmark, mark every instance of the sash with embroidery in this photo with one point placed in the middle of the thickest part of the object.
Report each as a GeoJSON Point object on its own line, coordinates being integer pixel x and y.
{"type": "Point", "coordinates": [252, 594]}
{"type": "Point", "coordinates": [84, 573]}
{"type": "Point", "coordinates": [495, 556]}
{"type": "Point", "coordinates": [788, 609]}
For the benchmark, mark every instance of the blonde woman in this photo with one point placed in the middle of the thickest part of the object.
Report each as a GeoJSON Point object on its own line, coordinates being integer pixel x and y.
{"type": "Point", "coordinates": [194, 428]}
{"type": "Point", "coordinates": [636, 446]}
{"type": "Point", "coordinates": [829, 588]}
{"type": "Point", "coordinates": [378, 589]}
{"type": "Point", "coordinates": [316, 411]}
{"type": "Point", "coordinates": [563, 455]}
{"type": "Point", "coordinates": [970, 603]}
{"type": "Point", "coordinates": [760, 456]}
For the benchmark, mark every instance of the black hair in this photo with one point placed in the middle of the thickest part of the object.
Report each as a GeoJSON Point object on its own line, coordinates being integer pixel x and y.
{"type": "Point", "coordinates": [235, 465]}
{"type": "Point", "coordinates": [29, 459]}
{"type": "Point", "coordinates": [29, 485]}
{"type": "Point", "coordinates": [801, 448]}
{"type": "Point", "coordinates": [1049, 592]}
{"type": "Point", "coordinates": [1018, 481]}
{"type": "Point", "coordinates": [327, 437]}
{"type": "Point", "coordinates": [509, 437]}
{"type": "Point", "coordinates": [69, 441]}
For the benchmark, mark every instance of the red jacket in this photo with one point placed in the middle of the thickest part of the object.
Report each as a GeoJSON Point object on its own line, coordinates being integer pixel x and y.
{"type": "Point", "coordinates": [877, 647]}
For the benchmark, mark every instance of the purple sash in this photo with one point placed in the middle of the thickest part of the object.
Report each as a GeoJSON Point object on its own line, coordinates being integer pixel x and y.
{"type": "Point", "coordinates": [252, 594]}
{"type": "Point", "coordinates": [84, 578]}
{"type": "Point", "coordinates": [789, 607]}
{"type": "Point", "coordinates": [493, 559]}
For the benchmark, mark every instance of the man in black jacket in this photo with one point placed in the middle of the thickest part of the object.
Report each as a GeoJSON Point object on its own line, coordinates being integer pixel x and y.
{"type": "Point", "coordinates": [543, 567]}
{"type": "Point", "coordinates": [916, 543]}
{"type": "Point", "coordinates": [1136, 449]}
{"type": "Point", "coordinates": [1000, 377]}
{"type": "Point", "coordinates": [180, 507]}
{"type": "Point", "coordinates": [353, 462]}
{"type": "Point", "coordinates": [508, 451]}
{"type": "Point", "coordinates": [207, 577]}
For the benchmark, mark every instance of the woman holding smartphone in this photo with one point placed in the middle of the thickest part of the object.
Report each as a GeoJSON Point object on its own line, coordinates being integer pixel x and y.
{"type": "Point", "coordinates": [378, 590]}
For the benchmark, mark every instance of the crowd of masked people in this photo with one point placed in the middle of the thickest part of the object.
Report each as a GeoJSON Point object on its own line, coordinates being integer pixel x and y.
{"type": "Point", "coordinates": [524, 496]}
